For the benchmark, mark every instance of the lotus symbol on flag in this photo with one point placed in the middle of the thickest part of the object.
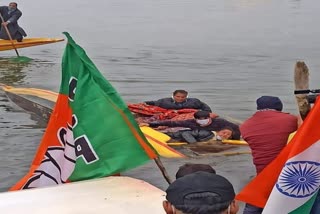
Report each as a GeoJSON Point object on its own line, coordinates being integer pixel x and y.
{"type": "Point", "coordinates": [299, 179]}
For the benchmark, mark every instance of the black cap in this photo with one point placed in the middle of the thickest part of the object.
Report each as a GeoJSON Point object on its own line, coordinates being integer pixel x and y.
{"type": "Point", "coordinates": [200, 182]}
{"type": "Point", "coordinates": [201, 114]}
{"type": "Point", "coordinates": [269, 102]}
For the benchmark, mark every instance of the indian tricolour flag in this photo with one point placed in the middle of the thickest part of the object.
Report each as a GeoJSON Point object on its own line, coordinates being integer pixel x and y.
{"type": "Point", "coordinates": [291, 182]}
{"type": "Point", "coordinates": [91, 132]}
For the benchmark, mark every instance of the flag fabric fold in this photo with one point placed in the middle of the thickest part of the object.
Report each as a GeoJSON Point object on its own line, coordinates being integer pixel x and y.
{"type": "Point", "coordinates": [290, 183]}
{"type": "Point", "coordinates": [91, 132]}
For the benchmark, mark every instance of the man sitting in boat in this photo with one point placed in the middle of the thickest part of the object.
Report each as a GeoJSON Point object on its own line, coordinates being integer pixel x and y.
{"type": "Point", "coordinates": [202, 121]}
{"type": "Point", "coordinates": [180, 100]}
{"type": "Point", "coordinates": [11, 15]}
{"type": "Point", "coordinates": [201, 192]}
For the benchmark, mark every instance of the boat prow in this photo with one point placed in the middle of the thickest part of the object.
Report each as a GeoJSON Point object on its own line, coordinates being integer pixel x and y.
{"type": "Point", "coordinates": [28, 42]}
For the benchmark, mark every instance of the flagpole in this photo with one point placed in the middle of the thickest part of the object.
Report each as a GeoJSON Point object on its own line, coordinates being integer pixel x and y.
{"type": "Point", "coordinates": [163, 170]}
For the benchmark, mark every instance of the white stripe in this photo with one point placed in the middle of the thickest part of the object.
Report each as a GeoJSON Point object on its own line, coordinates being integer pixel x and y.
{"type": "Point", "coordinates": [280, 203]}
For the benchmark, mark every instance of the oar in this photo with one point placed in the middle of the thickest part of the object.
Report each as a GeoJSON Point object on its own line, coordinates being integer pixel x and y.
{"type": "Point", "coordinates": [9, 35]}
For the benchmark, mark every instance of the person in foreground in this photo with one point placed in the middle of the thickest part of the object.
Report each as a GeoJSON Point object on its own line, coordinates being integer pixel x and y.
{"type": "Point", "coordinates": [266, 133]}
{"type": "Point", "coordinates": [180, 100]}
{"type": "Point", "coordinates": [11, 15]}
{"type": "Point", "coordinates": [190, 168]}
{"type": "Point", "coordinates": [200, 193]}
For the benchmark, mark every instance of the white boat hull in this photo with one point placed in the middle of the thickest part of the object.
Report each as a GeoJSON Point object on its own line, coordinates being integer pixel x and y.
{"type": "Point", "coordinates": [107, 195]}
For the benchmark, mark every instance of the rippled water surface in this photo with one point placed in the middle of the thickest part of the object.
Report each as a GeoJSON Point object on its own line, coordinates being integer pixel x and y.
{"type": "Point", "coordinates": [227, 53]}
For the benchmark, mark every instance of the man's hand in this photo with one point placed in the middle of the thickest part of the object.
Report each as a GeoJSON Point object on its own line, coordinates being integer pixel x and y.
{"type": "Point", "coordinates": [5, 23]}
{"type": "Point", "coordinates": [143, 124]}
{"type": "Point", "coordinates": [161, 127]}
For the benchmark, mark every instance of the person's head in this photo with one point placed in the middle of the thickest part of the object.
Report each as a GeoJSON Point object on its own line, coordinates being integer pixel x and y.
{"type": "Point", "coordinates": [200, 192]}
{"type": "Point", "coordinates": [189, 168]}
{"type": "Point", "coordinates": [225, 133]}
{"type": "Point", "coordinates": [180, 96]}
{"type": "Point", "coordinates": [269, 102]}
{"type": "Point", "coordinates": [13, 5]}
{"type": "Point", "coordinates": [202, 118]}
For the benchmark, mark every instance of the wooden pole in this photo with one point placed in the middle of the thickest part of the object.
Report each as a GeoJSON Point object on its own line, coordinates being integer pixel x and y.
{"type": "Point", "coordinates": [163, 170]}
{"type": "Point", "coordinates": [9, 35]}
{"type": "Point", "coordinates": [301, 81]}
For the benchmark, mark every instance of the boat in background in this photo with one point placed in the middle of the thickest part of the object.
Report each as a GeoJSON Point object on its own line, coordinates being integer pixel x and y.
{"type": "Point", "coordinates": [28, 42]}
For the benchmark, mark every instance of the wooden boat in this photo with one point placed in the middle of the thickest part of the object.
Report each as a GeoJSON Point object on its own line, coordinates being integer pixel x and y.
{"type": "Point", "coordinates": [28, 42]}
{"type": "Point", "coordinates": [40, 102]}
{"type": "Point", "coordinates": [117, 194]}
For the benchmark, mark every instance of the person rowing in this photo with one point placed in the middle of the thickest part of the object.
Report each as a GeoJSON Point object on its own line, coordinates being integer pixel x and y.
{"type": "Point", "coordinates": [10, 15]}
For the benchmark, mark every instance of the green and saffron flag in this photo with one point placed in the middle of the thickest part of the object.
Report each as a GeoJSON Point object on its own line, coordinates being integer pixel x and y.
{"type": "Point", "coordinates": [91, 132]}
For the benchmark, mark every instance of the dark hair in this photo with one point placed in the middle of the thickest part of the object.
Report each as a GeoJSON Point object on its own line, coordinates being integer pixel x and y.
{"type": "Point", "coordinates": [180, 91]}
{"type": "Point", "coordinates": [189, 168]}
{"type": "Point", "coordinates": [195, 203]}
{"type": "Point", "coordinates": [201, 114]}
{"type": "Point", "coordinates": [226, 127]}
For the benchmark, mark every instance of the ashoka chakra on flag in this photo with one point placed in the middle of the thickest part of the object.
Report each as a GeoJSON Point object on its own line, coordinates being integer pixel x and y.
{"type": "Point", "coordinates": [299, 179]}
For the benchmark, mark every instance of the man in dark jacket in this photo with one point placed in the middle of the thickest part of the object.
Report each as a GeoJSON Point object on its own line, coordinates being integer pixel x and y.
{"type": "Point", "coordinates": [202, 121]}
{"type": "Point", "coordinates": [180, 100]}
{"type": "Point", "coordinates": [11, 15]}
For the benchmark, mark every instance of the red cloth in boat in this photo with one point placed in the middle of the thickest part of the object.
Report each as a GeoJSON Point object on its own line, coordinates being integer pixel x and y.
{"type": "Point", "coordinates": [157, 112]}
{"type": "Point", "coordinates": [148, 113]}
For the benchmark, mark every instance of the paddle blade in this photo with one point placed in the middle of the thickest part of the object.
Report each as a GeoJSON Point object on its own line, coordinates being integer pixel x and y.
{"type": "Point", "coordinates": [20, 59]}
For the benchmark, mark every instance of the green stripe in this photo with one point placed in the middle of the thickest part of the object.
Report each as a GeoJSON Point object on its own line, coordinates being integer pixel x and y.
{"type": "Point", "coordinates": [98, 107]}
{"type": "Point", "coordinates": [306, 207]}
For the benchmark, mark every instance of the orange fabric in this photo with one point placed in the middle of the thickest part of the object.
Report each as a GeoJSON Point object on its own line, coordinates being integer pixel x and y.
{"type": "Point", "coordinates": [259, 189]}
{"type": "Point", "coordinates": [145, 109]}
{"type": "Point", "coordinates": [57, 120]}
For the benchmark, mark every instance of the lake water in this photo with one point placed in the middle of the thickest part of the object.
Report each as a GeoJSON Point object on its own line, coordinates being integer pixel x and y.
{"type": "Point", "coordinates": [226, 53]}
